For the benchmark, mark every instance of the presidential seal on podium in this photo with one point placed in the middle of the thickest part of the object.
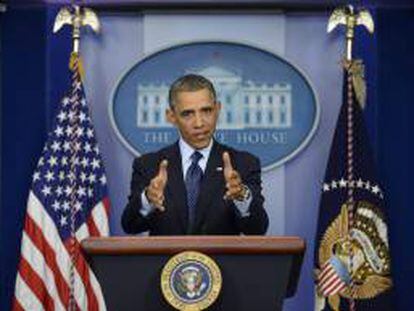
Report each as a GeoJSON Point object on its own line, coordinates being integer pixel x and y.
{"type": "Point", "coordinates": [191, 281]}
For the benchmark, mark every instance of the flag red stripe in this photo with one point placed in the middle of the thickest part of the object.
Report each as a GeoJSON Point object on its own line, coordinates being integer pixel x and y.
{"type": "Point", "coordinates": [338, 287]}
{"type": "Point", "coordinates": [107, 205]}
{"type": "Point", "coordinates": [335, 288]}
{"type": "Point", "coordinates": [329, 282]}
{"type": "Point", "coordinates": [327, 275]}
{"type": "Point", "coordinates": [327, 287]}
{"type": "Point", "coordinates": [92, 227]}
{"type": "Point", "coordinates": [16, 305]}
{"type": "Point", "coordinates": [38, 239]}
{"type": "Point", "coordinates": [93, 230]}
{"type": "Point", "coordinates": [325, 270]}
{"type": "Point", "coordinates": [36, 284]}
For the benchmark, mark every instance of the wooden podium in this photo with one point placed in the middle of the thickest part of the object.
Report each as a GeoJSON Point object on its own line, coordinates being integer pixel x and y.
{"type": "Point", "coordinates": [258, 272]}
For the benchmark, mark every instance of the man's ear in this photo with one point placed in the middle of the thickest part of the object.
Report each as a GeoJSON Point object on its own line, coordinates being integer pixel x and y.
{"type": "Point", "coordinates": [170, 116]}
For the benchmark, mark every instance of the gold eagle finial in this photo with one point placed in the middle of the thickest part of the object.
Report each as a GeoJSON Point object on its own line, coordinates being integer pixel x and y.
{"type": "Point", "coordinates": [348, 17]}
{"type": "Point", "coordinates": [77, 17]}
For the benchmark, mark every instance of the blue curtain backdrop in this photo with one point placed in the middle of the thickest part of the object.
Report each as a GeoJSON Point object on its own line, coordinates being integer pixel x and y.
{"type": "Point", "coordinates": [34, 71]}
{"type": "Point", "coordinates": [395, 143]}
{"type": "Point", "coordinates": [23, 128]}
{"type": "Point", "coordinates": [34, 74]}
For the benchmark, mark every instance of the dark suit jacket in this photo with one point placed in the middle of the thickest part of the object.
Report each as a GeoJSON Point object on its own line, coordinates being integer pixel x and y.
{"type": "Point", "coordinates": [214, 215]}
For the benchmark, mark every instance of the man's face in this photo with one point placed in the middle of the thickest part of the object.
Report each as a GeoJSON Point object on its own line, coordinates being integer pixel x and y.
{"type": "Point", "coordinates": [195, 115]}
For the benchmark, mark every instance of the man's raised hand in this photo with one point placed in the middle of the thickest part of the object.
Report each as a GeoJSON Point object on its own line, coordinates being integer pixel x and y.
{"type": "Point", "coordinates": [156, 187]}
{"type": "Point", "coordinates": [234, 186]}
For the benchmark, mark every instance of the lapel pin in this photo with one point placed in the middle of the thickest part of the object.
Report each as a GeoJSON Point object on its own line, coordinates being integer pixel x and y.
{"type": "Point", "coordinates": [219, 169]}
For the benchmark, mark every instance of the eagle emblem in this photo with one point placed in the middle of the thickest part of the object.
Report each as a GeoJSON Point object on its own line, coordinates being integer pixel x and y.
{"type": "Point", "coordinates": [354, 261]}
{"type": "Point", "coordinates": [191, 281]}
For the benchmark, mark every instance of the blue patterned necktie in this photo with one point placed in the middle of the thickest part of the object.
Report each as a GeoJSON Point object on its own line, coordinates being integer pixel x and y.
{"type": "Point", "coordinates": [192, 184]}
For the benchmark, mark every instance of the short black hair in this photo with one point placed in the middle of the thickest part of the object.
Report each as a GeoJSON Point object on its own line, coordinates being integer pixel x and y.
{"type": "Point", "coordinates": [189, 83]}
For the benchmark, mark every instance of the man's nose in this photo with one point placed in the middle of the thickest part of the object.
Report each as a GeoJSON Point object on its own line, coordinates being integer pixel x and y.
{"type": "Point", "coordinates": [198, 120]}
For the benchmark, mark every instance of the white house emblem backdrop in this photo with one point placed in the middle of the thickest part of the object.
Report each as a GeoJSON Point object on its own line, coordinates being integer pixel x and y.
{"type": "Point", "coordinates": [298, 42]}
{"type": "Point", "coordinates": [268, 106]}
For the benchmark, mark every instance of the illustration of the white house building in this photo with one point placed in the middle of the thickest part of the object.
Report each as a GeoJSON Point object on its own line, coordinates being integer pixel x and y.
{"type": "Point", "coordinates": [245, 104]}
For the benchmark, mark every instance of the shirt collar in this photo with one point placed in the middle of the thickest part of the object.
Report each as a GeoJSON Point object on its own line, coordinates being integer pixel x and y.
{"type": "Point", "coordinates": [186, 150]}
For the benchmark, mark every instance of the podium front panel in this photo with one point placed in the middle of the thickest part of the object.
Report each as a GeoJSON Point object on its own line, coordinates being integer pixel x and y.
{"type": "Point", "coordinates": [255, 280]}
{"type": "Point", "coordinates": [249, 282]}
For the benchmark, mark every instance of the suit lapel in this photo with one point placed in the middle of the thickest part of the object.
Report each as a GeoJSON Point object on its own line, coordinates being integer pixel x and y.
{"type": "Point", "coordinates": [175, 185]}
{"type": "Point", "coordinates": [210, 185]}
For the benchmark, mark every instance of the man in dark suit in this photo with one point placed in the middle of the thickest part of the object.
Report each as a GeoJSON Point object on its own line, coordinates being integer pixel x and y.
{"type": "Point", "coordinates": [195, 186]}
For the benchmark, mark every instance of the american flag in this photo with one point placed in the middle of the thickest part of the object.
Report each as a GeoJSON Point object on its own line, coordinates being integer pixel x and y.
{"type": "Point", "coordinates": [67, 203]}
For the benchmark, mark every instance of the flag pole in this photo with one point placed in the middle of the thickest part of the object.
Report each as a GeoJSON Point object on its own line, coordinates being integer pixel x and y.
{"type": "Point", "coordinates": [355, 84]}
{"type": "Point", "coordinates": [76, 17]}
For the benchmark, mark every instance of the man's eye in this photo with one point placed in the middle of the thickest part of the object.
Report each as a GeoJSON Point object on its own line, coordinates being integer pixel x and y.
{"type": "Point", "coordinates": [207, 110]}
{"type": "Point", "coordinates": [185, 114]}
